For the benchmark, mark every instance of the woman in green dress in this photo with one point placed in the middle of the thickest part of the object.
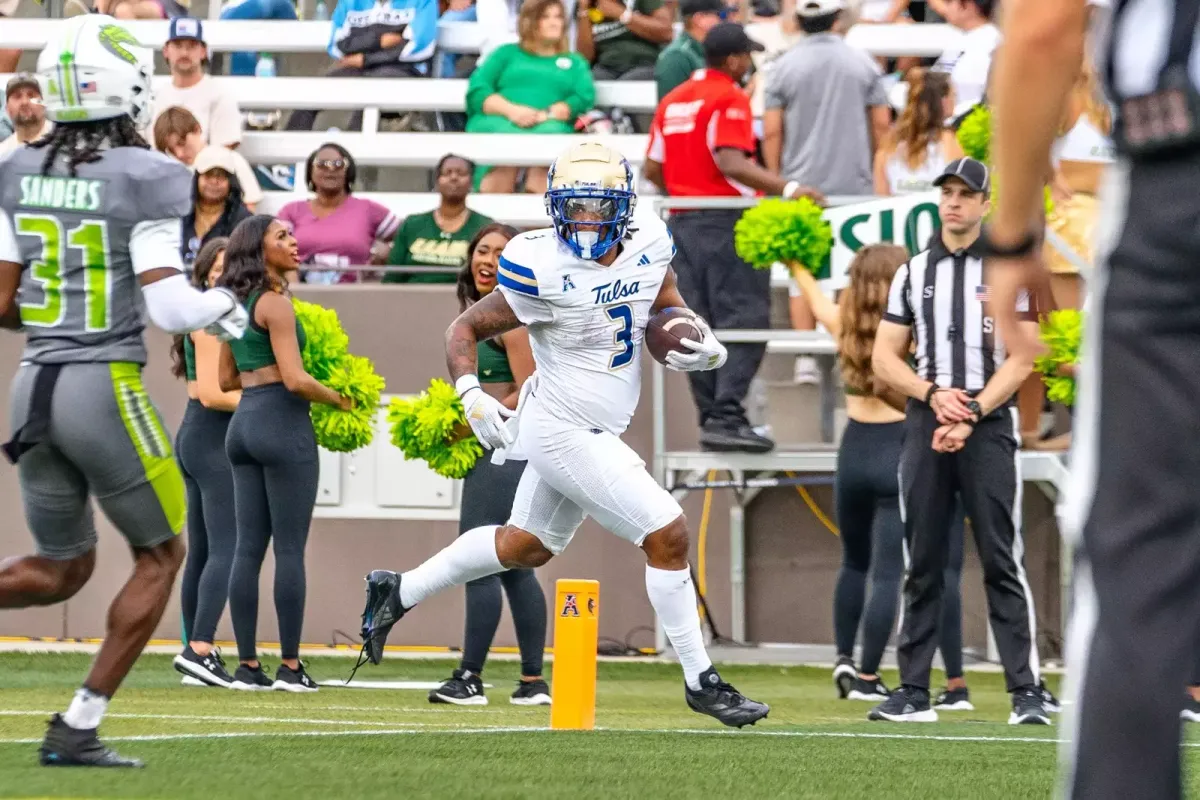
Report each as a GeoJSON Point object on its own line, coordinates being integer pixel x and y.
{"type": "Point", "coordinates": [534, 86]}
{"type": "Point", "coordinates": [439, 238]}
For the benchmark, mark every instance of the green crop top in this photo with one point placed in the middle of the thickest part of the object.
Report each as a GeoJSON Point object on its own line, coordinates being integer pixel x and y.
{"type": "Point", "coordinates": [253, 351]}
{"type": "Point", "coordinates": [189, 357]}
{"type": "Point", "coordinates": [492, 363]}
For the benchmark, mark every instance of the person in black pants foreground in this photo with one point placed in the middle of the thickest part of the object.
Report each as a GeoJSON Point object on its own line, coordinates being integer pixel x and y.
{"type": "Point", "coordinates": [960, 437]}
{"type": "Point", "coordinates": [505, 363]}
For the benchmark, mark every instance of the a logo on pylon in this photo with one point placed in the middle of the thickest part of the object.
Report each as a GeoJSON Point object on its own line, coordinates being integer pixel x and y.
{"type": "Point", "coordinates": [570, 606]}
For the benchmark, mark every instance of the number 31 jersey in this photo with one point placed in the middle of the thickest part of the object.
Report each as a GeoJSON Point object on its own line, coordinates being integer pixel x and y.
{"type": "Point", "coordinates": [586, 322]}
{"type": "Point", "coordinates": [83, 241]}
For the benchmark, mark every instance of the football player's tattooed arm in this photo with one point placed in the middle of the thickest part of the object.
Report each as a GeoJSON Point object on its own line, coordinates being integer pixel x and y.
{"type": "Point", "coordinates": [668, 294]}
{"type": "Point", "coordinates": [485, 319]}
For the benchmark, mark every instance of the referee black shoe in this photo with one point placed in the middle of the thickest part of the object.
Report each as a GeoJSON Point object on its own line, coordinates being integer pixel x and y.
{"type": "Point", "coordinates": [719, 700]}
{"type": "Point", "coordinates": [65, 746]}
{"type": "Point", "coordinates": [1048, 699]}
{"type": "Point", "coordinates": [383, 610]}
{"type": "Point", "coordinates": [1028, 708]}
{"type": "Point", "coordinates": [954, 700]}
{"type": "Point", "coordinates": [720, 437]}
{"type": "Point", "coordinates": [906, 704]}
{"type": "Point", "coordinates": [844, 673]}
{"type": "Point", "coordinates": [464, 688]}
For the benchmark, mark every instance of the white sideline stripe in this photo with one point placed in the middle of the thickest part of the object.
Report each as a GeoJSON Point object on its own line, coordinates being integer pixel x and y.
{"type": "Point", "coordinates": [193, 718]}
{"type": "Point", "coordinates": [171, 737]}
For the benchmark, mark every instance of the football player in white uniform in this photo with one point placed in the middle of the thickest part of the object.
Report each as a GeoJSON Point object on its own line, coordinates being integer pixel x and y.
{"type": "Point", "coordinates": [585, 288]}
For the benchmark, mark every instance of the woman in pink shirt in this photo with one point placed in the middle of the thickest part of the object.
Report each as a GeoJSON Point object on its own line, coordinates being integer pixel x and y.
{"type": "Point", "coordinates": [335, 228]}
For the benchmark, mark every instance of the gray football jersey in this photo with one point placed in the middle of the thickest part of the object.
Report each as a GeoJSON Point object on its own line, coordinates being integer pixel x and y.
{"type": "Point", "coordinates": [79, 297]}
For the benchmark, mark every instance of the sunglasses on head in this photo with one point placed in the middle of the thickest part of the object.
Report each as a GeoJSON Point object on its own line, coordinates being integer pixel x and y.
{"type": "Point", "coordinates": [334, 163]}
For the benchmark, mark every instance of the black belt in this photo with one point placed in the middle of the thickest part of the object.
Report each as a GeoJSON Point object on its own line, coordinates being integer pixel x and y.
{"type": "Point", "coordinates": [37, 423]}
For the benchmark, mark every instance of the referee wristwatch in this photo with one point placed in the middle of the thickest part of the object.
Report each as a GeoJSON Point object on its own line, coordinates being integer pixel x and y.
{"type": "Point", "coordinates": [976, 409]}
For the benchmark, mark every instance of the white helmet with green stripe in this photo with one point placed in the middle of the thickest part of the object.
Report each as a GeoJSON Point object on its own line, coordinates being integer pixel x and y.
{"type": "Point", "coordinates": [93, 68]}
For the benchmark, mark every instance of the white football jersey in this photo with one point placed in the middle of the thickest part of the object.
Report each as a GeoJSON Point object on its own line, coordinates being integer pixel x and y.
{"type": "Point", "coordinates": [586, 322]}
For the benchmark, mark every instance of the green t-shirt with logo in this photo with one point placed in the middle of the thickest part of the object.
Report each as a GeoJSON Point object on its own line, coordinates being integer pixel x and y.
{"type": "Point", "coordinates": [618, 49]}
{"type": "Point", "coordinates": [421, 243]}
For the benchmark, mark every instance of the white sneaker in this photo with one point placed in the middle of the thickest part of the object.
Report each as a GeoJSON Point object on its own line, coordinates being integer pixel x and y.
{"type": "Point", "coordinates": [806, 372]}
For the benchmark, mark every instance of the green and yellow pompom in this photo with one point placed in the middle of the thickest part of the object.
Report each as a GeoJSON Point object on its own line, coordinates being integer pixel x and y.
{"type": "Point", "coordinates": [975, 134]}
{"type": "Point", "coordinates": [327, 358]}
{"type": "Point", "coordinates": [793, 232]}
{"type": "Point", "coordinates": [433, 427]}
{"type": "Point", "coordinates": [1062, 331]}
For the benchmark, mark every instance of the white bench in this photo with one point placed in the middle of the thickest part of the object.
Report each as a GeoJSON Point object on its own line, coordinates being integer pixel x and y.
{"type": "Point", "coordinates": [454, 37]}
{"type": "Point", "coordinates": [424, 149]}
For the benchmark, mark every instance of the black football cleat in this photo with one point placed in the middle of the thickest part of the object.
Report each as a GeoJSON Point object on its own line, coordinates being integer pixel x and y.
{"type": "Point", "coordinates": [65, 746]}
{"type": "Point", "coordinates": [721, 701]}
{"type": "Point", "coordinates": [382, 611]}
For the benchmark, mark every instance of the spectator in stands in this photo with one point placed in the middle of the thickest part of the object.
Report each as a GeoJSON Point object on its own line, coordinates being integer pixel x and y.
{"type": "Point", "coordinates": [970, 60]}
{"type": "Point", "coordinates": [534, 86]}
{"type": "Point", "coordinates": [129, 9]}
{"type": "Point", "coordinates": [622, 41]}
{"type": "Point", "coordinates": [776, 29]}
{"type": "Point", "coordinates": [377, 39]}
{"type": "Point", "coordinates": [192, 87]}
{"type": "Point", "coordinates": [23, 104]}
{"type": "Point", "coordinates": [335, 228]}
{"type": "Point", "coordinates": [498, 20]}
{"type": "Point", "coordinates": [242, 63]}
{"type": "Point", "coordinates": [439, 238]}
{"type": "Point", "coordinates": [685, 55]}
{"type": "Point", "coordinates": [217, 205]}
{"type": "Point", "coordinates": [177, 133]}
{"type": "Point", "coordinates": [916, 151]}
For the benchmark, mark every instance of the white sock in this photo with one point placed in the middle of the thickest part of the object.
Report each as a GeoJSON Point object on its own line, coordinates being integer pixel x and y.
{"type": "Point", "coordinates": [470, 556]}
{"type": "Point", "coordinates": [86, 710]}
{"type": "Point", "coordinates": [674, 600]}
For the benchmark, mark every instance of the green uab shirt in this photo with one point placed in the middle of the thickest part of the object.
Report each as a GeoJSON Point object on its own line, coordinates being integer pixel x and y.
{"type": "Point", "coordinates": [619, 49]}
{"type": "Point", "coordinates": [677, 63]}
{"type": "Point", "coordinates": [421, 243]}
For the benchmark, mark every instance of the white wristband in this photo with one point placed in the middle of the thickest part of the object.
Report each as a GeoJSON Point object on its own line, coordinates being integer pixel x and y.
{"type": "Point", "coordinates": [626, 15]}
{"type": "Point", "coordinates": [790, 188]}
{"type": "Point", "coordinates": [466, 383]}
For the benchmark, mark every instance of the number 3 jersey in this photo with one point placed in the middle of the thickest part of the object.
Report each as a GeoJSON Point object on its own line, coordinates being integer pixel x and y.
{"type": "Point", "coordinates": [83, 241]}
{"type": "Point", "coordinates": [586, 322]}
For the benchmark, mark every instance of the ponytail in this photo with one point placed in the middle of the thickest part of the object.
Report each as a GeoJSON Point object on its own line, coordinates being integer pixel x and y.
{"type": "Point", "coordinates": [922, 121]}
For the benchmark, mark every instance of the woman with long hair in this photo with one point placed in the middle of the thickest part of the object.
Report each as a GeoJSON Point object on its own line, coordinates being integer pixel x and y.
{"type": "Point", "coordinates": [867, 493]}
{"type": "Point", "coordinates": [919, 146]}
{"type": "Point", "coordinates": [505, 363]}
{"type": "Point", "coordinates": [200, 447]}
{"type": "Point", "coordinates": [271, 446]}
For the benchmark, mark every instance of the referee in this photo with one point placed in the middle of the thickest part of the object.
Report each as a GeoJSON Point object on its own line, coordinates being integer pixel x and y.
{"type": "Point", "coordinates": [961, 437]}
{"type": "Point", "coordinates": [701, 145]}
{"type": "Point", "coordinates": [1132, 509]}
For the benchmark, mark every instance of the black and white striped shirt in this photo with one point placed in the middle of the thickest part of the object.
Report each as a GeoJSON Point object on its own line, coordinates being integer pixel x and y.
{"type": "Point", "coordinates": [942, 295]}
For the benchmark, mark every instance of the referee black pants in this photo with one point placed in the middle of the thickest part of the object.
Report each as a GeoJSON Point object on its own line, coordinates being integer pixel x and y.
{"type": "Point", "coordinates": [1133, 507]}
{"type": "Point", "coordinates": [729, 293]}
{"type": "Point", "coordinates": [985, 474]}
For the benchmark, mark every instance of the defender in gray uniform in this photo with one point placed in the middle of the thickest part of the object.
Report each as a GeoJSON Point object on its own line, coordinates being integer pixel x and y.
{"type": "Point", "coordinates": [89, 247]}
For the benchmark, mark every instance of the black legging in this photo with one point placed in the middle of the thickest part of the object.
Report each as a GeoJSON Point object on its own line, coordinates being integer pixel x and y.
{"type": "Point", "coordinates": [872, 534]}
{"type": "Point", "coordinates": [212, 527]}
{"type": "Point", "coordinates": [487, 498]}
{"type": "Point", "coordinates": [274, 456]}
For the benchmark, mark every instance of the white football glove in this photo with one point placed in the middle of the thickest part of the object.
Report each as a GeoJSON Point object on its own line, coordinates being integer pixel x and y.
{"type": "Point", "coordinates": [706, 354]}
{"type": "Point", "coordinates": [233, 324]}
{"type": "Point", "coordinates": [485, 414]}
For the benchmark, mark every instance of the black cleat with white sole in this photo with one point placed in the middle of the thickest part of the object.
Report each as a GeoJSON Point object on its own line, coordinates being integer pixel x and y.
{"type": "Point", "coordinates": [1028, 708]}
{"type": "Point", "coordinates": [463, 688]}
{"type": "Point", "coordinates": [382, 611]}
{"type": "Point", "coordinates": [293, 680]}
{"type": "Point", "coordinates": [722, 702]}
{"type": "Point", "coordinates": [844, 674]}
{"type": "Point", "coordinates": [251, 679]}
{"type": "Point", "coordinates": [209, 669]}
{"type": "Point", "coordinates": [65, 746]}
{"type": "Point", "coordinates": [906, 704]}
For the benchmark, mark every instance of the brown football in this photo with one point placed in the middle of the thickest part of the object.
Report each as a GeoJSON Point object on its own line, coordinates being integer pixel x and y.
{"type": "Point", "coordinates": [665, 330]}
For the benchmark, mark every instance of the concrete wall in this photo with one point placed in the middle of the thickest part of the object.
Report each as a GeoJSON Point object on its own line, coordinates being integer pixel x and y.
{"type": "Point", "coordinates": [792, 559]}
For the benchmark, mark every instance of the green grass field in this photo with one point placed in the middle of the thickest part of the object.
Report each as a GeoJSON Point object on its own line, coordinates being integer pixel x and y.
{"type": "Point", "coordinates": [359, 743]}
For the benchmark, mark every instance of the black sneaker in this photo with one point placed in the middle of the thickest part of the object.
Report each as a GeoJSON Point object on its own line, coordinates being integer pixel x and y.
{"type": "Point", "coordinates": [871, 690]}
{"type": "Point", "coordinates": [1191, 709]}
{"type": "Point", "coordinates": [1028, 708]}
{"type": "Point", "coordinates": [293, 680]}
{"type": "Point", "coordinates": [209, 669]}
{"type": "Point", "coordinates": [906, 704]}
{"type": "Point", "coordinates": [382, 611]}
{"type": "Point", "coordinates": [1049, 701]}
{"type": "Point", "coordinates": [251, 679]}
{"type": "Point", "coordinates": [954, 700]}
{"type": "Point", "coordinates": [844, 673]}
{"type": "Point", "coordinates": [65, 746]}
{"type": "Point", "coordinates": [735, 438]}
{"type": "Point", "coordinates": [724, 703]}
{"type": "Point", "coordinates": [531, 693]}
{"type": "Point", "coordinates": [463, 688]}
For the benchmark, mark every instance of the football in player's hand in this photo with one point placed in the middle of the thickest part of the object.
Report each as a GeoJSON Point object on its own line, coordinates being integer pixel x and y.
{"type": "Point", "coordinates": [667, 328]}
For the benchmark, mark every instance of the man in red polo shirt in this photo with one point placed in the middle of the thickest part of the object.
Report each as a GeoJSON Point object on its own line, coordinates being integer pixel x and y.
{"type": "Point", "coordinates": [701, 145]}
